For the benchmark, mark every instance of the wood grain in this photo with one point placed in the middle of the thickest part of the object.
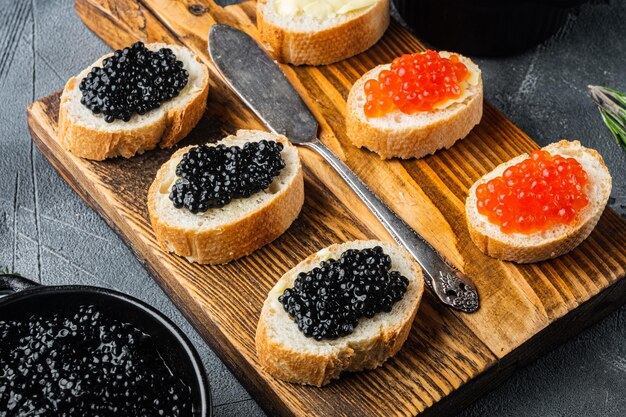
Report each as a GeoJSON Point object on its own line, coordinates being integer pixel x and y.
{"type": "Point", "coordinates": [450, 358]}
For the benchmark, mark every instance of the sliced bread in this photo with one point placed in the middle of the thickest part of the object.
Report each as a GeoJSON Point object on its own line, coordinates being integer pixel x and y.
{"type": "Point", "coordinates": [286, 353]}
{"type": "Point", "coordinates": [400, 135]}
{"type": "Point", "coordinates": [557, 240]}
{"type": "Point", "coordinates": [220, 235]}
{"type": "Point", "coordinates": [87, 135]}
{"type": "Point", "coordinates": [307, 40]}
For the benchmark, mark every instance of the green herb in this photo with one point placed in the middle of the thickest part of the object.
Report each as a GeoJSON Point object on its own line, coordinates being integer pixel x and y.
{"type": "Point", "coordinates": [612, 105]}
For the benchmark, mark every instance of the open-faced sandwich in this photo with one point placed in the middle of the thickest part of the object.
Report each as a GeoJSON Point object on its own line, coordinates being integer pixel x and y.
{"type": "Point", "coordinates": [217, 202]}
{"type": "Point", "coordinates": [318, 32]}
{"type": "Point", "coordinates": [416, 105]}
{"type": "Point", "coordinates": [133, 100]}
{"type": "Point", "coordinates": [539, 206]}
{"type": "Point", "coordinates": [348, 307]}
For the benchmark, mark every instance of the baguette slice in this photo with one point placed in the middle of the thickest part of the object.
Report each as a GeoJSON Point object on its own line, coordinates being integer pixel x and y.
{"type": "Point", "coordinates": [221, 235]}
{"type": "Point", "coordinates": [287, 354]}
{"type": "Point", "coordinates": [556, 241]}
{"type": "Point", "coordinates": [87, 135]}
{"type": "Point", "coordinates": [400, 135]}
{"type": "Point", "coordinates": [305, 40]}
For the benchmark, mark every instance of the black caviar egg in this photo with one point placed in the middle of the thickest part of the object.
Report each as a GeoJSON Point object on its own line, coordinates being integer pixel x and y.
{"type": "Point", "coordinates": [328, 301]}
{"type": "Point", "coordinates": [133, 80]}
{"type": "Point", "coordinates": [212, 176]}
{"type": "Point", "coordinates": [83, 363]}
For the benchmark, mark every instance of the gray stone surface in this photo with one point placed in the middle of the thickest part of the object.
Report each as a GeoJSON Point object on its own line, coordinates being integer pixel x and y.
{"type": "Point", "coordinates": [49, 234]}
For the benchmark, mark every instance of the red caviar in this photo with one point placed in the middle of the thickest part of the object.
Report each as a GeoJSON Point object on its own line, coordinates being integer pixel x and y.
{"type": "Point", "coordinates": [535, 194]}
{"type": "Point", "coordinates": [414, 83]}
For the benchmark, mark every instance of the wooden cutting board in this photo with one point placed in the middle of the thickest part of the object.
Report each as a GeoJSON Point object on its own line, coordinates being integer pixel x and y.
{"type": "Point", "coordinates": [450, 358]}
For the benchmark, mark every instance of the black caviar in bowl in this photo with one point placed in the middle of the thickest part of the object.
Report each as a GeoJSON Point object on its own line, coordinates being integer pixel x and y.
{"type": "Point", "coordinates": [132, 360]}
{"type": "Point", "coordinates": [485, 27]}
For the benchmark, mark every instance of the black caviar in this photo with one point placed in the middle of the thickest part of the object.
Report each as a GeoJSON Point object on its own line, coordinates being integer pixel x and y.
{"type": "Point", "coordinates": [212, 176]}
{"type": "Point", "coordinates": [328, 301]}
{"type": "Point", "coordinates": [133, 80]}
{"type": "Point", "coordinates": [84, 364]}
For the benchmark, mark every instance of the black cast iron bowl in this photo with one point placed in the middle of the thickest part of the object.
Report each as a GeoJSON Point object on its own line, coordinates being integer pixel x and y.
{"type": "Point", "coordinates": [485, 27]}
{"type": "Point", "coordinates": [27, 298]}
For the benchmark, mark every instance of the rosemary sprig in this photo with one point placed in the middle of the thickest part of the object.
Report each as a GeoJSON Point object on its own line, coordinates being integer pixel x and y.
{"type": "Point", "coordinates": [612, 105]}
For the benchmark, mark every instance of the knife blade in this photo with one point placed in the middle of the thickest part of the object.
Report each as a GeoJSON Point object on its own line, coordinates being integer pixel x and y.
{"type": "Point", "coordinates": [268, 93]}
{"type": "Point", "coordinates": [260, 83]}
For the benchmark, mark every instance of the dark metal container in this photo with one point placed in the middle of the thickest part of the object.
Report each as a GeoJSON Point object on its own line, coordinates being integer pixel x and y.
{"type": "Point", "coordinates": [27, 298]}
{"type": "Point", "coordinates": [485, 27]}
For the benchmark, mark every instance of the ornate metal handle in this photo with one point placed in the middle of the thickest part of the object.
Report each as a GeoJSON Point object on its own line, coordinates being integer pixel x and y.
{"type": "Point", "coordinates": [450, 285]}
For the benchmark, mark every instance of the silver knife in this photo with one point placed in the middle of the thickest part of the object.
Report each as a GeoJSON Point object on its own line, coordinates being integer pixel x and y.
{"type": "Point", "coordinates": [260, 83]}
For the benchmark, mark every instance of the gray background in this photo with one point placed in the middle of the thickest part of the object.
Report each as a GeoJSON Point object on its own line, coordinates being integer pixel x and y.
{"type": "Point", "coordinates": [49, 234]}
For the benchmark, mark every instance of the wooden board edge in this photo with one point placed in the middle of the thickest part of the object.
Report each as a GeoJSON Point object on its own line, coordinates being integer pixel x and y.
{"type": "Point", "coordinates": [558, 332]}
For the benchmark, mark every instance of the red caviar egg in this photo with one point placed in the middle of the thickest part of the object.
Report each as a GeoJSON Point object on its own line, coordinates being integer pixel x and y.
{"type": "Point", "coordinates": [533, 195]}
{"type": "Point", "coordinates": [414, 83]}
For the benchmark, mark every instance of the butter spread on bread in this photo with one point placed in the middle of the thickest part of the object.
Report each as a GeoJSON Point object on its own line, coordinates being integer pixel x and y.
{"type": "Point", "coordinates": [320, 9]}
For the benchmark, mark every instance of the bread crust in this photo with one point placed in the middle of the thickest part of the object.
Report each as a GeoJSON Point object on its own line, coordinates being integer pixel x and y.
{"type": "Point", "coordinates": [523, 253]}
{"type": "Point", "coordinates": [411, 142]}
{"type": "Point", "coordinates": [231, 241]}
{"type": "Point", "coordinates": [92, 143]}
{"type": "Point", "coordinates": [317, 369]}
{"type": "Point", "coordinates": [325, 46]}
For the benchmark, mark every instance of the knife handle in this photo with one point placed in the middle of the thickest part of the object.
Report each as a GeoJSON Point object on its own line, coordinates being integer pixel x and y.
{"type": "Point", "coordinates": [450, 285]}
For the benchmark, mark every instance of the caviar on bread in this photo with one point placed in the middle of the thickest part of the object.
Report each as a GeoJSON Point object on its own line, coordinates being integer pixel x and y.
{"type": "Point", "coordinates": [133, 100]}
{"type": "Point", "coordinates": [416, 105]}
{"type": "Point", "coordinates": [319, 32]}
{"type": "Point", "coordinates": [348, 307]}
{"type": "Point", "coordinates": [539, 206]}
{"type": "Point", "coordinates": [218, 202]}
